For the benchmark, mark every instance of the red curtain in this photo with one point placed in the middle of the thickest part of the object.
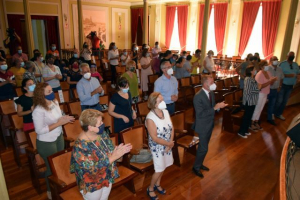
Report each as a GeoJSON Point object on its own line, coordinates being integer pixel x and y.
{"type": "Point", "coordinates": [14, 21]}
{"type": "Point", "coordinates": [270, 21]}
{"type": "Point", "coordinates": [182, 12]}
{"type": "Point", "coordinates": [249, 15]}
{"type": "Point", "coordinates": [220, 24]}
{"type": "Point", "coordinates": [201, 18]}
{"type": "Point", "coordinates": [135, 13]}
{"type": "Point", "coordinates": [170, 14]}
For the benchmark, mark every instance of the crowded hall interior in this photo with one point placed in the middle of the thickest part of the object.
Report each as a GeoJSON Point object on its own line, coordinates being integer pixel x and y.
{"type": "Point", "coordinates": [150, 99]}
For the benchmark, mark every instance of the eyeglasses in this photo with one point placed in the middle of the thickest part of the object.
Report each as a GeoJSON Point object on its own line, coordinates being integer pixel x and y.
{"type": "Point", "coordinates": [291, 66]}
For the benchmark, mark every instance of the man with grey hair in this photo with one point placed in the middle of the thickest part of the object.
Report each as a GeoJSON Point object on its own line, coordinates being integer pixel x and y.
{"type": "Point", "coordinates": [88, 89]}
{"type": "Point", "coordinates": [290, 70]}
{"type": "Point", "coordinates": [167, 85]}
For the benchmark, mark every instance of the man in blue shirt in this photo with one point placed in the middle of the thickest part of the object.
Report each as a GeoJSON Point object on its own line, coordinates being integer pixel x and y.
{"type": "Point", "coordinates": [88, 89]}
{"type": "Point", "coordinates": [290, 70]}
{"type": "Point", "coordinates": [167, 85]}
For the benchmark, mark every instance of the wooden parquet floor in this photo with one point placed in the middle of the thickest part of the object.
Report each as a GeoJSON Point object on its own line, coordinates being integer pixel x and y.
{"type": "Point", "coordinates": [240, 169]}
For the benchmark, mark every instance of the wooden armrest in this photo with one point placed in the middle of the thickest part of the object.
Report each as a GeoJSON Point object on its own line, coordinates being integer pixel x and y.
{"type": "Point", "coordinates": [31, 150]}
{"type": "Point", "coordinates": [68, 139]}
{"type": "Point", "coordinates": [57, 182]}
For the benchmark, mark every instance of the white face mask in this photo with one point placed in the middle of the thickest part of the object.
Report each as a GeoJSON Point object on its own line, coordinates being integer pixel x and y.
{"type": "Point", "coordinates": [87, 75]}
{"type": "Point", "coordinates": [213, 87]}
{"type": "Point", "coordinates": [170, 71]}
{"type": "Point", "coordinates": [162, 105]}
{"type": "Point", "coordinates": [266, 68]}
{"type": "Point", "coordinates": [275, 62]}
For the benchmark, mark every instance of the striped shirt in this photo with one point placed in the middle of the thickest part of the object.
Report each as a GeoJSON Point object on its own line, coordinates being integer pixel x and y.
{"type": "Point", "coordinates": [250, 94]}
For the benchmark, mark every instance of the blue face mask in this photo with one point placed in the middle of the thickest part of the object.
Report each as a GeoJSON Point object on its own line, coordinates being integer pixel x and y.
{"type": "Point", "coordinates": [125, 90]}
{"type": "Point", "coordinates": [22, 64]}
{"type": "Point", "coordinates": [42, 59]}
{"type": "Point", "coordinates": [115, 47]}
{"type": "Point", "coordinates": [4, 67]}
{"type": "Point", "coordinates": [53, 48]}
{"type": "Point", "coordinates": [75, 55]}
{"type": "Point", "coordinates": [50, 97]}
{"type": "Point", "coordinates": [101, 129]}
{"type": "Point", "coordinates": [20, 51]}
{"type": "Point", "coordinates": [31, 88]}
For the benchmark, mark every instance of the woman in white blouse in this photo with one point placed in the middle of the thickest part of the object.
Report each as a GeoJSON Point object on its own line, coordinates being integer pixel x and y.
{"type": "Point", "coordinates": [48, 121]}
{"type": "Point", "coordinates": [208, 63]}
{"type": "Point", "coordinates": [52, 74]}
{"type": "Point", "coordinates": [113, 57]}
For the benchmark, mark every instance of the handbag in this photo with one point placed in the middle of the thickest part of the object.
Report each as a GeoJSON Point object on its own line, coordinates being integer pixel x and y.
{"type": "Point", "coordinates": [143, 156]}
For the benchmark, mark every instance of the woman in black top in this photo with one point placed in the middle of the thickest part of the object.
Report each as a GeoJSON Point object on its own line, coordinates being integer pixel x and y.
{"type": "Point", "coordinates": [74, 75]}
{"type": "Point", "coordinates": [120, 107]}
{"type": "Point", "coordinates": [25, 104]}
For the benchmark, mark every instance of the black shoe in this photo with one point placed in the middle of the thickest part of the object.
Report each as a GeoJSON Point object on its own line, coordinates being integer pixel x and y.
{"type": "Point", "coordinates": [197, 172]}
{"type": "Point", "coordinates": [204, 168]}
{"type": "Point", "coordinates": [271, 122]}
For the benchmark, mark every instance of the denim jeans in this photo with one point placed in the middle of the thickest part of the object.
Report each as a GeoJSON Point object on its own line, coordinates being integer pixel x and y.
{"type": "Point", "coordinates": [282, 99]}
{"type": "Point", "coordinates": [272, 101]}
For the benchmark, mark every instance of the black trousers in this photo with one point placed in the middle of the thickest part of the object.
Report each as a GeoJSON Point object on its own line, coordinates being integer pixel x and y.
{"type": "Point", "coordinates": [246, 122]}
{"type": "Point", "coordinates": [113, 73]}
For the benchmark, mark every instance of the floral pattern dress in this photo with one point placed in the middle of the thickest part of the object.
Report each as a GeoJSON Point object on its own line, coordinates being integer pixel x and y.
{"type": "Point", "coordinates": [164, 127]}
{"type": "Point", "coordinates": [92, 169]}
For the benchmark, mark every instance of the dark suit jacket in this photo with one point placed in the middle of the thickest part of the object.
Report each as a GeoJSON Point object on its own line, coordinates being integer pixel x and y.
{"type": "Point", "coordinates": [205, 112]}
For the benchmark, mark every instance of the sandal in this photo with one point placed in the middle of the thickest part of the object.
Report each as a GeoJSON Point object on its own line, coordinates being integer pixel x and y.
{"type": "Point", "coordinates": [163, 191]}
{"type": "Point", "coordinates": [151, 197]}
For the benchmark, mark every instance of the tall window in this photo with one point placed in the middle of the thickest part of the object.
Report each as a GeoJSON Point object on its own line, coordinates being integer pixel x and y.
{"type": "Point", "coordinates": [175, 44]}
{"type": "Point", "coordinates": [255, 41]}
{"type": "Point", "coordinates": [211, 38]}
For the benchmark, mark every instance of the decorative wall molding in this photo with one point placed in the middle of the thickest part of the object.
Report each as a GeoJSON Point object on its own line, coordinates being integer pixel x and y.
{"type": "Point", "coordinates": [113, 33]}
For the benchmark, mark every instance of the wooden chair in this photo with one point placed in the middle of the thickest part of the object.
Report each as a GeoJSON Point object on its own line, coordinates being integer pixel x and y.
{"type": "Point", "coordinates": [197, 88]}
{"type": "Point", "coordinates": [108, 120]}
{"type": "Point", "coordinates": [36, 163]}
{"type": "Point", "coordinates": [6, 108]}
{"type": "Point", "coordinates": [74, 108]}
{"type": "Point", "coordinates": [104, 101]}
{"type": "Point", "coordinates": [64, 85]}
{"type": "Point", "coordinates": [232, 115]}
{"type": "Point", "coordinates": [185, 82]}
{"type": "Point", "coordinates": [181, 137]}
{"type": "Point", "coordinates": [18, 91]}
{"type": "Point", "coordinates": [66, 96]}
{"type": "Point", "coordinates": [71, 132]}
{"type": "Point", "coordinates": [235, 81]}
{"type": "Point", "coordinates": [75, 94]}
{"type": "Point", "coordinates": [151, 80]}
{"type": "Point", "coordinates": [136, 136]}
{"type": "Point", "coordinates": [142, 111]}
{"type": "Point", "coordinates": [18, 136]}
{"type": "Point", "coordinates": [220, 91]}
{"type": "Point", "coordinates": [228, 84]}
{"type": "Point", "coordinates": [238, 97]}
{"type": "Point", "coordinates": [196, 80]}
{"type": "Point", "coordinates": [120, 70]}
{"type": "Point", "coordinates": [61, 179]}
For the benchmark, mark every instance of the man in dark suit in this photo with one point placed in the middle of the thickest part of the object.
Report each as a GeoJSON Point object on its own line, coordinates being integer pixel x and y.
{"type": "Point", "coordinates": [205, 107]}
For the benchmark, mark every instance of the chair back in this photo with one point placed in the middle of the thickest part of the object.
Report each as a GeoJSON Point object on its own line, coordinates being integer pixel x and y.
{"type": "Point", "coordinates": [18, 91]}
{"type": "Point", "coordinates": [214, 75]}
{"type": "Point", "coordinates": [134, 136]}
{"type": "Point", "coordinates": [108, 120]}
{"type": "Point", "coordinates": [178, 119]}
{"type": "Point", "coordinates": [121, 70]}
{"type": "Point", "coordinates": [66, 95]}
{"type": "Point", "coordinates": [227, 82]}
{"type": "Point", "coordinates": [75, 94]}
{"type": "Point", "coordinates": [75, 108]}
{"type": "Point", "coordinates": [104, 99]}
{"type": "Point", "coordinates": [235, 80]}
{"type": "Point", "coordinates": [197, 88]}
{"type": "Point", "coordinates": [238, 95]}
{"type": "Point", "coordinates": [195, 79]}
{"type": "Point", "coordinates": [60, 166]}
{"type": "Point", "coordinates": [228, 98]}
{"type": "Point", "coordinates": [219, 84]}
{"type": "Point", "coordinates": [16, 121]}
{"type": "Point", "coordinates": [142, 108]}
{"type": "Point", "coordinates": [185, 81]}
{"type": "Point", "coordinates": [7, 107]}
{"type": "Point", "coordinates": [152, 78]}
{"type": "Point", "coordinates": [64, 85]}
{"type": "Point", "coordinates": [72, 130]}
{"type": "Point", "coordinates": [31, 136]}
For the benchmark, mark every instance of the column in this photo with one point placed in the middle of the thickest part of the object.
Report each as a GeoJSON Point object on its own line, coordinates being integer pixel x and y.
{"type": "Point", "coordinates": [80, 25]}
{"type": "Point", "coordinates": [289, 30]}
{"type": "Point", "coordinates": [145, 23]}
{"type": "Point", "coordinates": [28, 26]}
{"type": "Point", "coordinates": [204, 30]}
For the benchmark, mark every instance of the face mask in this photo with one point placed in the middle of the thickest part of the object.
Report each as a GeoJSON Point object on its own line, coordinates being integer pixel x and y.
{"type": "Point", "coordinates": [132, 69]}
{"type": "Point", "coordinates": [115, 47]}
{"type": "Point", "coordinates": [136, 48]}
{"type": "Point", "coordinates": [22, 64]}
{"type": "Point", "coordinates": [147, 55]}
{"type": "Point", "coordinates": [213, 87]}
{"type": "Point", "coordinates": [156, 46]}
{"type": "Point", "coordinates": [75, 66]}
{"type": "Point", "coordinates": [50, 61]}
{"type": "Point", "coordinates": [75, 55]}
{"type": "Point", "coordinates": [125, 90]}
{"type": "Point", "coordinates": [184, 57]}
{"type": "Point", "coordinates": [162, 105]}
{"type": "Point", "coordinates": [101, 129]}
{"type": "Point", "coordinates": [125, 53]}
{"type": "Point", "coordinates": [209, 55]}
{"type": "Point", "coordinates": [31, 88]}
{"type": "Point", "coordinates": [53, 48]}
{"type": "Point", "coordinates": [170, 71]}
{"type": "Point", "coordinates": [41, 59]}
{"type": "Point", "coordinates": [20, 51]}
{"type": "Point", "coordinates": [291, 58]}
{"type": "Point", "coordinates": [87, 75]}
{"type": "Point", "coordinates": [255, 72]}
{"type": "Point", "coordinates": [266, 68]}
{"type": "Point", "coordinates": [4, 67]}
{"type": "Point", "coordinates": [50, 97]}
{"type": "Point", "coordinates": [275, 62]}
